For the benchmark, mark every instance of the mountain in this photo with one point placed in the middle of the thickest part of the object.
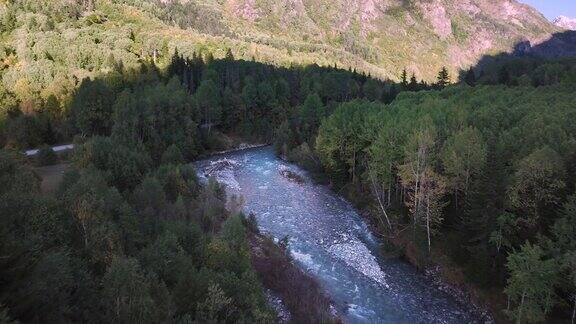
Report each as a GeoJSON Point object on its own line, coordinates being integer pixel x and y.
{"type": "Point", "coordinates": [48, 46]}
{"type": "Point", "coordinates": [565, 22]}
{"type": "Point", "coordinates": [379, 36]}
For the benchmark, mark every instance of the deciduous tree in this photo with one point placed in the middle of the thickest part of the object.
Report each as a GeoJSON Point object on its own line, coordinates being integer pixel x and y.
{"type": "Point", "coordinates": [531, 284]}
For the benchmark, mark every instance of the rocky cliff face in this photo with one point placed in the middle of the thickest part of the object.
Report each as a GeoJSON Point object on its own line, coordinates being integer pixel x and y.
{"type": "Point", "coordinates": [565, 22]}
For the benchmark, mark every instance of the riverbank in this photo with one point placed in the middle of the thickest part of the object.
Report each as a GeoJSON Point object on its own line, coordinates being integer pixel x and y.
{"type": "Point", "coordinates": [295, 295]}
{"type": "Point", "coordinates": [328, 240]}
{"type": "Point", "coordinates": [438, 267]}
{"type": "Point", "coordinates": [296, 276]}
{"type": "Point", "coordinates": [299, 293]}
{"type": "Point", "coordinates": [447, 276]}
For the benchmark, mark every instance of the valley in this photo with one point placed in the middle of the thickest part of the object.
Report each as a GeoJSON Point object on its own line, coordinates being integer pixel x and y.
{"type": "Point", "coordinates": [410, 161]}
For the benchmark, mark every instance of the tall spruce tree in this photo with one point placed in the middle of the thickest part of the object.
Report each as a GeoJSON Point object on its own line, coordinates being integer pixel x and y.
{"type": "Point", "coordinates": [443, 78]}
{"type": "Point", "coordinates": [404, 79]}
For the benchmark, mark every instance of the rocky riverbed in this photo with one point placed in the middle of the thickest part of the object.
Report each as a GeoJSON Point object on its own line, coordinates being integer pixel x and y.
{"type": "Point", "coordinates": [328, 239]}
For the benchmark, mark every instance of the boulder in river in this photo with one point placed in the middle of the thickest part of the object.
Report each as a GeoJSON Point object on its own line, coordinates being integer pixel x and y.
{"type": "Point", "coordinates": [290, 175]}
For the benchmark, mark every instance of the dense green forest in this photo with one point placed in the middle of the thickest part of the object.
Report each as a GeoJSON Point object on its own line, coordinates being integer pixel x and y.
{"type": "Point", "coordinates": [132, 234]}
{"type": "Point", "coordinates": [488, 170]}
{"type": "Point", "coordinates": [482, 171]}
{"type": "Point", "coordinates": [102, 250]}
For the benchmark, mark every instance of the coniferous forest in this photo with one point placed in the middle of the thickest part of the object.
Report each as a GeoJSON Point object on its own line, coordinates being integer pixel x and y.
{"type": "Point", "coordinates": [475, 173]}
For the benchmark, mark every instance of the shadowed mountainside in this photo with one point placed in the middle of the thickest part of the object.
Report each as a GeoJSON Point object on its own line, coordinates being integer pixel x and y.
{"type": "Point", "coordinates": [557, 53]}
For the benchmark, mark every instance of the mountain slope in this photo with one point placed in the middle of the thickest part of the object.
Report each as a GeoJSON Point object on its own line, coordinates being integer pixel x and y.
{"type": "Point", "coordinates": [383, 36]}
{"type": "Point", "coordinates": [47, 47]}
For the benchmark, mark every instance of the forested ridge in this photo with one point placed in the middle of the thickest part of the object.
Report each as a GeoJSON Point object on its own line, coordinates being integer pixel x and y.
{"type": "Point", "coordinates": [479, 169]}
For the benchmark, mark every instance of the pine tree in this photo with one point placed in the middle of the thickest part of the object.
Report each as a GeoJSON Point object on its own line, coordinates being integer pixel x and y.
{"type": "Point", "coordinates": [176, 66]}
{"type": "Point", "coordinates": [209, 102]}
{"type": "Point", "coordinates": [413, 85]}
{"type": "Point", "coordinates": [443, 77]}
{"type": "Point", "coordinates": [404, 79]}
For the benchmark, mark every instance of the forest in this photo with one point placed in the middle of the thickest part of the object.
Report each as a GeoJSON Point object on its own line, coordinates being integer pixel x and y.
{"type": "Point", "coordinates": [130, 235]}
{"type": "Point", "coordinates": [488, 170]}
{"type": "Point", "coordinates": [478, 168]}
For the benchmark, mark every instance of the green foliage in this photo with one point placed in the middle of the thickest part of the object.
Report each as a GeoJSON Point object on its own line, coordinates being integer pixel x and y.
{"type": "Point", "coordinates": [92, 108]}
{"type": "Point", "coordinates": [94, 254]}
{"type": "Point", "coordinates": [8, 103]}
{"type": "Point", "coordinates": [130, 296]}
{"type": "Point", "coordinates": [525, 71]}
{"type": "Point", "coordinates": [212, 206]}
{"type": "Point", "coordinates": [123, 165]}
{"type": "Point", "coordinates": [372, 90]}
{"type": "Point", "coordinates": [149, 195]}
{"type": "Point", "coordinates": [505, 233]}
{"type": "Point", "coordinates": [132, 232]}
{"type": "Point", "coordinates": [208, 100]}
{"type": "Point", "coordinates": [531, 284]}
{"type": "Point", "coordinates": [52, 284]}
{"type": "Point", "coordinates": [234, 232]}
{"type": "Point", "coordinates": [157, 116]}
{"type": "Point", "coordinates": [463, 157]}
{"type": "Point", "coordinates": [311, 113]}
{"type": "Point", "coordinates": [443, 78]}
{"type": "Point", "coordinates": [562, 246]}
{"type": "Point", "coordinates": [487, 165]}
{"type": "Point", "coordinates": [166, 258]}
{"type": "Point", "coordinates": [284, 139]}
{"type": "Point", "coordinates": [217, 307]}
{"type": "Point", "coordinates": [144, 104]}
{"type": "Point", "coordinates": [563, 229]}
{"type": "Point", "coordinates": [172, 155]}
{"type": "Point", "coordinates": [537, 183]}
{"type": "Point", "coordinates": [341, 137]}
{"type": "Point", "coordinates": [178, 181]}
{"type": "Point", "coordinates": [24, 131]}
{"type": "Point", "coordinates": [14, 177]}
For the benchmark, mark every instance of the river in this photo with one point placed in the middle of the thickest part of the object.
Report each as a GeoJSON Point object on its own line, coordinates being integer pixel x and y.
{"type": "Point", "coordinates": [329, 239]}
